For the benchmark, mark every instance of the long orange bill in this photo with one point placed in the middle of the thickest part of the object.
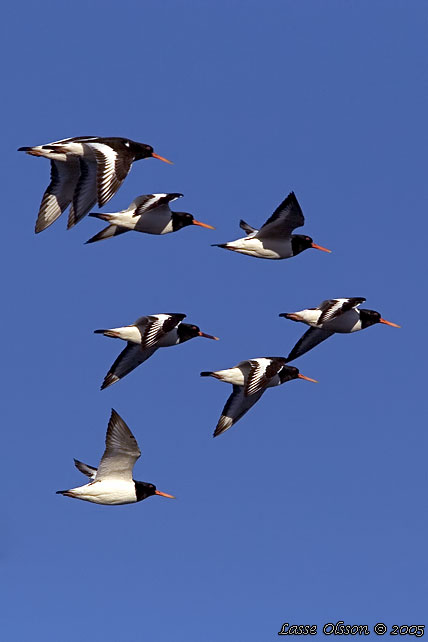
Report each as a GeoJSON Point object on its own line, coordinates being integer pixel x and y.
{"type": "Point", "coordinates": [158, 492]}
{"type": "Point", "coordinates": [165, 160]}
{"type": "Point", "coordinates": [208, 336]}
{"type": "Point", "coordinates": [319, 247]}
{"type": "Point", "coordinates": [394, 325]}
{"type": "Point", "coordinates": [210, 227]}
{"type": "Point", "coordinates": [307, 378]}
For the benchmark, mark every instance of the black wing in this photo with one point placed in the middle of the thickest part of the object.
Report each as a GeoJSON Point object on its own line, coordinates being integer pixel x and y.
{"type": "Point", "coordinates": [131, 357]}
{"type": "Point", "coordinates": [287, 216]}
{"type": "Point", "coordinates": [59, 193]}
{"type": "Point", "coordinates": [248, 229]}
{"type": "Point", "coordinates": [87, 470]}
{"type": "Point", "coordinates": [236, 407]}
{"type": "Point", "coordinates": [149, 202]}
{"type": "Point", "coordinates": [332, 308]}
{"type": "Point", "coordinates": [85, 194]}
{"type": "Point", "coordinates": [154, 327]}
{"type": "Point", "coordinates": [309, 340]}
{"type": "Point", "coordinates": [261, 372]}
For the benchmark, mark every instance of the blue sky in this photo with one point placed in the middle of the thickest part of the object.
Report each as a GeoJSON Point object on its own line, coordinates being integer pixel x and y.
{"type": "Point", "coordinates": [312, 509]}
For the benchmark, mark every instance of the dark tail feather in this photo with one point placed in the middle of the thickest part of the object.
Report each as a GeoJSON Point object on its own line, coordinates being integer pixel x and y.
{"type": "Point", "coordinates": [107, 333]}
{"type": "Point", "coordinates": [103, 217]}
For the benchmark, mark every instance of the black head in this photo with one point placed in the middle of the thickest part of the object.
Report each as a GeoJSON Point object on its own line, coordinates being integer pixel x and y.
{"type": "Point", "coordinates": [187, 331]}
{"type": "Point", "coordinates": [287, 373]}
{"type": "Point", "coordinates": [369, 317]}
{"type": "Point", "coordinates": [144, 490]}
{"type": "Point", "coordinates": [139, 150]}
{"type": "Point", "coordinates": [300, 242]}
{"type": "Point", "coordinates": [180, 220]}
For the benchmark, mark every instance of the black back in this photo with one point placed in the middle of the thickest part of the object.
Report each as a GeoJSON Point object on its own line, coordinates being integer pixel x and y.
{"type": "Point", "coordinates": [300, 242]}
{"type": "Point", "coordinates": [143, 490]}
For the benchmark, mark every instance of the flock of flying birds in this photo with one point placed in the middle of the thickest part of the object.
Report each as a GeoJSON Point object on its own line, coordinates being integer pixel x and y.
{"type": "Point", "coordinates": [87, 170]}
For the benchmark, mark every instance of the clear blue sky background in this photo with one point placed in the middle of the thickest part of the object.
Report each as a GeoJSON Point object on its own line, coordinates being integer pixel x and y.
{"type": "Point", "coordinates": [313, 508]}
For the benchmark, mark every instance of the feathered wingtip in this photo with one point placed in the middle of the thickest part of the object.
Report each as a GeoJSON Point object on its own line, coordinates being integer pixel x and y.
{"type": "Point", "coordinates": [206, 374]}
{"type": "Point", "coordinates": [109, 380]}
{"type": "Point", "coordinates": [108, 232]}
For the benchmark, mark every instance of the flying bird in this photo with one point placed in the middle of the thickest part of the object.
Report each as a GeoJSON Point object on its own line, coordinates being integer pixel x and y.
{"type": "Point", "coordinates": [149, 213]}
{"type": "Point", "coordinates": [274, 240]}
{"type": "Point", "coordinates": [250, 379]}
{"type": "Point", "coordinates": [84, 170]}
{"type": "Point", "coordinates": [112, 482]}
{"type": "Point", "coordinates": [331, 316]}
{"type": "Point", "coordinates": [144, 337]}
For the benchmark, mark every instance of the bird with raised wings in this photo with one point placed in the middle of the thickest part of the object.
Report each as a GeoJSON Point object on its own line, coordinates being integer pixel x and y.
{"type": "Point", "coordinates": [250, 379]}
{"type": "Point", "coordinates": [112, 482]}
{"type": "Point", "coordinates": [274, 240]}
{"type": "Point", "coordinates": [149, 213]}
{"type": "Point", "coordinates": [144, 337]}
{"type": "Point", "coordinates": [84, 170]}
{"type": "Point", "coordinates": [331, 316]}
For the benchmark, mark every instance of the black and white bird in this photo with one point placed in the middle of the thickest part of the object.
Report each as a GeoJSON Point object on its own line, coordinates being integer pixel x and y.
{"type": "Point", "coordinates": [250, 379]}
{"type": "Point", "coordinates": [112, 482]}
{"type": "Point", "coordinates": [274, 240]}
{"type": "Point", "coordinates": [144, 337]}
{"type": "Point", "coordinates": [84, 170]}
{"type": "Point", "coordinates": [331, 316]}
{"type": "Point", "coordinates": [149, 213]}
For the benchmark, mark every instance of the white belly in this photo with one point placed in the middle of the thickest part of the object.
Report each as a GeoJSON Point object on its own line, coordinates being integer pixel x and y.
{"type": "Point", "coordinates": [110, 492]}
{"type": "Point", "coordinates": [128, 333]}
{"type": "Point", "coordinates": [262, 249]}
{"type": "Point", "coordinates": [235, 376]}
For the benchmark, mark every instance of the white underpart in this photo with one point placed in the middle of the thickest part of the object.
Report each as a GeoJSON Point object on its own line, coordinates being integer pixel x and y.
{"type": "Point", "coordinates": [155, 221]}
{"type": "Point", "coordinates": [235, 376]}
{"type": "Point", "coordinates": [128, 333]}
{"type": "Point", "coordinates": [347, 322]}
{"type": "Point", "coordinates": [262, 248]}
{"type": "Point", "coordinates": [238, 375]}
{"type": "Point", "coordinates": [109, 491]}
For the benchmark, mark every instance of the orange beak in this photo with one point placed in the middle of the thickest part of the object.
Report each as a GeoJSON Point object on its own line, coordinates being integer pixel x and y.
{"type": "Point", "coordinates": [319, 247]}
{"type": "Point", "coordinates": [307, 378]}
{"type": "Point", "coordinates": [210, 227]}
{"type": "Point", "coordinates": [158, 492]}
{"type": "Point", "coordinates": [208, 336]}
{"type": "Point", "coordinates": [394, 325]}
{"type": "Point", "coordinates": [165, 160]}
